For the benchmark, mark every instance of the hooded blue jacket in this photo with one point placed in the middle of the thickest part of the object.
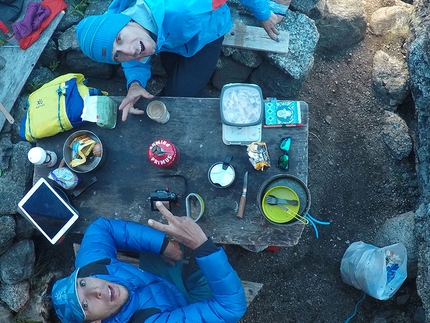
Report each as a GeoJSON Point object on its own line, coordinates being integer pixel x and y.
{"type": "Point", "coordinates": [185, 27]}
{"type": "Point", "coordinates": [151, 293]}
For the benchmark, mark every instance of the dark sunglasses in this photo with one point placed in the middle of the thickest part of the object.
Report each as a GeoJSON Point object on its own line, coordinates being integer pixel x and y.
{"type": "Point", "coordinates": [283, 161]}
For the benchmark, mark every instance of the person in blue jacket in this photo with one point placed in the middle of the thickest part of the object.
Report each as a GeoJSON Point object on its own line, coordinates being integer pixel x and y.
{"type": "Point", "coordinates": [104, 289]}
{"type": "Point", "coordinates": [187, 36]}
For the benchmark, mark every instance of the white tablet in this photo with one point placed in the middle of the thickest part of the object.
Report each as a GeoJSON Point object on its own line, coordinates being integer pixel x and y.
{"type": "Point", "coordinates": [47, 211]}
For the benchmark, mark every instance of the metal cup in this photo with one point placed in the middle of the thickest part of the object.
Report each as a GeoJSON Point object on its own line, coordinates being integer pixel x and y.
{"type": "Point", "coordinates": [157, 111]}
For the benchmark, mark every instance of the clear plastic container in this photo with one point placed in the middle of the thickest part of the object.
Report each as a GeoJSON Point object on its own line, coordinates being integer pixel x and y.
{"type": "Point", "coordinates": [7, 35]}
{"type": "Point", "coordinates": [241, 105]}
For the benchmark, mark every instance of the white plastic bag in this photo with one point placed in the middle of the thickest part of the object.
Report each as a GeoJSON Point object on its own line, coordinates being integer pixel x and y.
{"type": "Point", "coordinates": [379, 272]}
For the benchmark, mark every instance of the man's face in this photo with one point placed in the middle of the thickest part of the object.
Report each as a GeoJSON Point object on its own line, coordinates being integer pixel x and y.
{"type": "Point", "coordinates": [100, 298]}
{"type": "Point", "coordinates": [132, 42]}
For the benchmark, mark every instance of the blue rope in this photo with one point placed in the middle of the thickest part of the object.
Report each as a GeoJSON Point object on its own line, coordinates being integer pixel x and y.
{"type": "Point", "coordinates": [312, 221]}
{"type": "Point", "coordinates": [355, 307]}
{"type": "Point", "coordinates": [317, 221]}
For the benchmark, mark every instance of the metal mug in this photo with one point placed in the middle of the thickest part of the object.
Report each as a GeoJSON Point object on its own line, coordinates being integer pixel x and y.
{"type": "Point", "coordinates": [222, 174]}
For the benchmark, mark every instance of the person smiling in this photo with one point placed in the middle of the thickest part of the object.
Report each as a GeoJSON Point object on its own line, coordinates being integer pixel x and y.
{"type": "Point", "coordinates": [187, 36]}
{"type": "Point", "coordinates": [104, 289]}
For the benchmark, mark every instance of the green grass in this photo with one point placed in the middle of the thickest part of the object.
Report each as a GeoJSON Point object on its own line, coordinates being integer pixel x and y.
{"type": "Point", "coordinates": [79, 7]}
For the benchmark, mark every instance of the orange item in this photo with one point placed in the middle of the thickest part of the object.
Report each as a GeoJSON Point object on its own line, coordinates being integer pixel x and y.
{"type": "Point", "coordinates": [272, 248]}
{"type": "Point", "coordinates": [55, 6]}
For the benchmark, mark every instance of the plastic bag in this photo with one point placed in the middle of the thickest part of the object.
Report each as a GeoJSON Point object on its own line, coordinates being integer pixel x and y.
{"type": "Point", "coordinates": [379, 272]}
{"type": "Point", "coordinates": [64, 177]}
{"type": "Point", "coordinates": [100, 109]}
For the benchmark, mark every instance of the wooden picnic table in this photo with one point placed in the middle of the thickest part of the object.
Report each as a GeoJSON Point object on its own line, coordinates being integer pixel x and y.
{"type": "Point", "coordinates": [20, 63]}
{"type": "Point", "coordinates": [126, 179]}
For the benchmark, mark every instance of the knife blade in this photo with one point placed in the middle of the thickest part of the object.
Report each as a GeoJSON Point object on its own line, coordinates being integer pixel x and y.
{"type": "Point", "coordinates": [243, 197]}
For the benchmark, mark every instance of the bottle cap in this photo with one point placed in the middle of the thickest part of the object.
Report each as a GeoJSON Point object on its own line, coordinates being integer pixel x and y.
{"type": "Point", "coordinates": [37, 155]}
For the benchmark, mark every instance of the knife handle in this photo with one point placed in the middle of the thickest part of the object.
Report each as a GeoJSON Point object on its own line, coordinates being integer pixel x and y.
{"type": "Point", "coordinates": [241, 207]}
{"type": "Point", "coordinates": [6, 114]}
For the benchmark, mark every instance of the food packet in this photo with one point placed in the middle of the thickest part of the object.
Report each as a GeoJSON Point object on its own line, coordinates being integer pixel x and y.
{"type": "Point", "coordinates": [64, 177]}
{"type": "Point", "coordinates": [258, 155]}
{"type": "Point", "coordinates": [100, 109]}
{"type": "Point", "coordinates": [81, 148]}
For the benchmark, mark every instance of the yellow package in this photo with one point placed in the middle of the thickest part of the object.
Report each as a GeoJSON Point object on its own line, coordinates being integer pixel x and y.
{"type": "Point", "coordinates": [81, 148]}
{"type": "Point", "coordinates": [258, 155]}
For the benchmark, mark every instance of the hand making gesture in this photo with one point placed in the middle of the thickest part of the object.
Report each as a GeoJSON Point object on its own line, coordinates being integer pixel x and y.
{"type": "Point", "coordinates": [135, 92]}
{"type": "Point", "coordinates": [182, 228]}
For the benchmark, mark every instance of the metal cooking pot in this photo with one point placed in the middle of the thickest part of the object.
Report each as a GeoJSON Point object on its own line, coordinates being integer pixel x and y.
{"type": "Point", "coordinates": [92, 162]}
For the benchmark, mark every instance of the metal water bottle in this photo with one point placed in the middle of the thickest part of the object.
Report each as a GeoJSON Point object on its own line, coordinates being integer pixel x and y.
{"type": "Point", "coordinates": [163, 153]}
{"type": "Point", "coordinates": [40, 156]}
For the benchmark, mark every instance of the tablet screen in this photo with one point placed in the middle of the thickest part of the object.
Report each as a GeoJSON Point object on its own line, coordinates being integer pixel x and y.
{"type": "Point", "coordinates": [44, 207]}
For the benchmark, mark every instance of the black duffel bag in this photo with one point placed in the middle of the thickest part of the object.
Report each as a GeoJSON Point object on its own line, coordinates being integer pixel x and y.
{"type": "Point", "coordinates": [10, 10]}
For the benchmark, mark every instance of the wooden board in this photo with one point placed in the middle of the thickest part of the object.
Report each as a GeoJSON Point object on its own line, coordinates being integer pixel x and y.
{"type": "Point", "coordinates": [256, 38]}
{"type": "Point", "coordinates": [127, 177]}
{"type": "Point", "coordinates": [251, 288]}
{"type": "Point", "coordinates": [20, 63]}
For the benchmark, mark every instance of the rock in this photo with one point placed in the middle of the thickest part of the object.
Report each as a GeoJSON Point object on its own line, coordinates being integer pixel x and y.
{"type": "Point", "coordinates": [7, 232]}
{"type": "Point", "coordinates": [391, 20]}
{"type": "Point", "coordinates": [80, 63]}
{"type": "Point", "coordinates": [16, 176]}
{"type": "Point", "coordinates": [403, 299]}
{"type": "Point", "coordinates": [274, 82]}
{"type": "Point", "coordinates": [68, 41]}
{"type": "Point", "coordinates": [341, 24]}
{"type": "Point", "coordinates": [17, 263]}
{"type": "Point", "coordinates": [395, 134]}
{"type": "Point", "coordinates": [16, 296]}
{"type": "Point", "coordinates": [5, 314]}
{"type": "Point", "coordinates": [418, 59]}
{"type": "Point", "coordinates": [390, 78]}
{"type": "Point", "coordinates": [303, 6]}
{"type": "Point", "coordinates": [303, 39]}
{"type": "Point", "coordinates": [248, 58]}
{"type": "Point", "coordinates": [40, 304]}
{"type": "Point", "coordinates": [38, 77]}
{"type": "Point", "coordinates": [49, 58]}
{"type": "Point", "coordinates": [24, 229]}
{"type": "Point", "coordinates": [401, 228]}
{"type": "Point", "coordinates": [226, 75]}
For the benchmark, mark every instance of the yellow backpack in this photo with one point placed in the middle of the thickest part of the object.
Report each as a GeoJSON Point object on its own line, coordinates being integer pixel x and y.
{"type": "Point", "coordinates": [56, 107]}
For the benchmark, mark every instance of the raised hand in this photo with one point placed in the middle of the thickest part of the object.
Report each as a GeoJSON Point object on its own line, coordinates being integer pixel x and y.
{"type": "Point", "coordinates": [135, 92]}
{"type": "Point", "coordinates": [182, 228]}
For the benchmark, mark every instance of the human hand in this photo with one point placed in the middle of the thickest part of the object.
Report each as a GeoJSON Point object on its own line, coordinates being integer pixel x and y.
{"type": "Point", "coordinates": [182, 228]}
{"type": "Point", "coordinates": [135, 92]}
{"type": "Point", "coordinates": [269, 25]}
{"type": "Point", "coordinates": [172, 253]}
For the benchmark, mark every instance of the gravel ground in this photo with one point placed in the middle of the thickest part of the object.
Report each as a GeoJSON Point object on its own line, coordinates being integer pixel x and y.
{"type": "Point", "coordinates": [355, 184]}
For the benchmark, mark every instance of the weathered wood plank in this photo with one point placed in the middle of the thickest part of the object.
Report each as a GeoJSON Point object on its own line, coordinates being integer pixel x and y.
{"type": "Point", "coordinates": [251, 288]}
{"type": "Point", "coordinates": [20, 63]}
{"type": "Point", "coordinates": [256, 38]}
{"type": "Point", "coordinates": [127, 177]}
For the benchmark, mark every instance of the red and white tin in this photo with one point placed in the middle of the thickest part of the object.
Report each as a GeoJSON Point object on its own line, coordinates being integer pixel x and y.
{"type": "Point", "coordinates": [163, 153]}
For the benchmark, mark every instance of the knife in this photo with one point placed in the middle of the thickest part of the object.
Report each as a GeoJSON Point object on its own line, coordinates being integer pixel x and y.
{"type": "Point", "coordinates": [243, 197]}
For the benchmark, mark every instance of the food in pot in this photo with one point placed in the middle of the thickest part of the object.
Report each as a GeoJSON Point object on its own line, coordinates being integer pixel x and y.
{"type": "Point", "coordinates": [241, 105]}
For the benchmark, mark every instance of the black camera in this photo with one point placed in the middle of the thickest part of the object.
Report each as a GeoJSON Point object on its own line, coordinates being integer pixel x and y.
{"type": "Point", "coordinates": [164, 196]}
